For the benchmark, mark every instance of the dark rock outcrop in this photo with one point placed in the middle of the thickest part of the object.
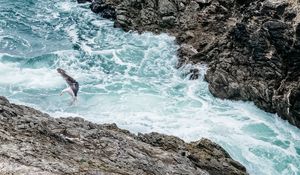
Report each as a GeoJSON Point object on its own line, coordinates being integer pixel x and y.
{"type": "Point", "coordinates": [259, 61]}
{"type": "Point", "coordinates": [107, 10]}
{"type": "Point", "coordinates": [204, 154]}
{"type": "Point", "coordinates": [35, 143]}
{"type": "Point", "coordinates": [251, 46]}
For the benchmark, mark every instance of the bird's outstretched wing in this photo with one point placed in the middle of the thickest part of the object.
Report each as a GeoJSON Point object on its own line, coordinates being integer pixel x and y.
{"type": "Point", "coordinates": [73, 84]}
{"type": "Point", "coordinates": [70, 81]}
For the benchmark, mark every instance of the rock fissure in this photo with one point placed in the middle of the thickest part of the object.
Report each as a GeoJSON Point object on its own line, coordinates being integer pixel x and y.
{"type": "Point", "coordinates": [251, 47]}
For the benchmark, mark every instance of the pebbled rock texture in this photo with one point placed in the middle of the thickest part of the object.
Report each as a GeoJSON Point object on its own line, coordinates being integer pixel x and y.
{"type": "Point", "coordinates": [252, 47]}
{"type": "Point", "coordinates": [32, 142]}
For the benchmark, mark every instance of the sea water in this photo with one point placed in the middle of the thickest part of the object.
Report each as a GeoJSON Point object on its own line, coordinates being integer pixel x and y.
{"type": "Point", "coordinates": [130, 79]}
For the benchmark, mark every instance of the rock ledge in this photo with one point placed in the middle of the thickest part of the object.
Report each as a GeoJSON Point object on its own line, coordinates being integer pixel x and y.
{"type": "Point", "coordinates": [32, 142]}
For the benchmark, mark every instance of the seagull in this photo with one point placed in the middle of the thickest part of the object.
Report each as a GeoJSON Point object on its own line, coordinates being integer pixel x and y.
{"type": "Point", "coordinates": [72, 83]}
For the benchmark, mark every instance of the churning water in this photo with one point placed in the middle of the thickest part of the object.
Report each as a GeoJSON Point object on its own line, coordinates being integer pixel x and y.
{"type": "Point", "coordinates": [129, 79]}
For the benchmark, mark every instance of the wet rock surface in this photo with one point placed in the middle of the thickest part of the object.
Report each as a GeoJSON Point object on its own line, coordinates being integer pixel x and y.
{"type": "Point", "coordinates": [251, 47]}
{"type": "Point", "coordinates": [32, 142]}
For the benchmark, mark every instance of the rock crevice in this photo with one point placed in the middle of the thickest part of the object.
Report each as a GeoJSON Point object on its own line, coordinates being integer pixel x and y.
{"type": "Point", "coordinates": [251, 47]}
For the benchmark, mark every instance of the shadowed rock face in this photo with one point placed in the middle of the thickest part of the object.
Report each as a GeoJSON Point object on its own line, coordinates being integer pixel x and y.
{"type": "Point", "coordinates": [35, 143]}
{"type": "Point", "coordinates": [259, 61]}
{"type": "Point", "coordinates": [251, 47]}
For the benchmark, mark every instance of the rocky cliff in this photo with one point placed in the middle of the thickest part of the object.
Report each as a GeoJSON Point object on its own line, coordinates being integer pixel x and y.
{"type": "Point", "coordinates": [32, 142]}
{"type": "Point", "coordinates": [251, 47]}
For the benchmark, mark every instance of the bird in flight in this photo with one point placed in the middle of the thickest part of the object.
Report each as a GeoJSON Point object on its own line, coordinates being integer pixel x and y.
{"type": "Point", "coordinates": [73, 85]}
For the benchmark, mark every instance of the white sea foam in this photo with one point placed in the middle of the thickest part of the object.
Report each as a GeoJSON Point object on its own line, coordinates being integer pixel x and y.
{"type": "Point", "coordinates": [72, 31]}
{"type": "Point", "coordinates": [66, 6]}
{"type": "Point", "coordinates": [12, 74]}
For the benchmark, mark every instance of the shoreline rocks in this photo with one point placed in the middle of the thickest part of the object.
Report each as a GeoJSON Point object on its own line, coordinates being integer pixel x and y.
{"type": "Point", "coordinates": [32, 142]}
{"type": "Point", "coordinates": [252, 48]}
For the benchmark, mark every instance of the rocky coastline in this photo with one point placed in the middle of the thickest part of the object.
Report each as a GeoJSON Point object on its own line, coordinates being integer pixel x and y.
{"type": "Point", "coordinates": [252, 48]}
{"type": "Point", "coordinates": [32, 142]}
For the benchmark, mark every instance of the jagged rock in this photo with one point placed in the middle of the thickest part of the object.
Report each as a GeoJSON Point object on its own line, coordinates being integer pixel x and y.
{"type": "Point", "coordinates": [32, 142]}
{"type": "Point", "coordinates": [261, 62]}
{"type": "Point", "coordinates": [166, 8]}
{"type": "Point", "coordinates": [168, 21]}
{"type": "Point", "coordinates": [106, 11]}
{"type": "Point", "coordinates": [204, 153]}
{"type": "Point", "coordinates": [84, 1]}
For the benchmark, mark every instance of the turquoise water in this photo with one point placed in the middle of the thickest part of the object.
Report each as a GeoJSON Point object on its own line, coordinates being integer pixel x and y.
{"type": "Point", "coordinates": [129, 79]}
